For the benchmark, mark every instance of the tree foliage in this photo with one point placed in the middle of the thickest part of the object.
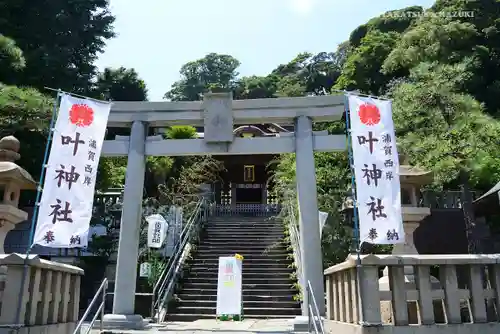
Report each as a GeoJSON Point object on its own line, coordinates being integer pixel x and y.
{"type": "Point", "coordinates": [472, 41]}
{"type": "Point", "coordinates": [26, 114]}
{"type": "Point", "coordinates": [370, 44]}
{"type": "Point", "coordinates": [441, 128]}
{"type": "Point", "coordinates": [11, 56]}
{"type": "Point", "coordinates": [60, 40]}
{"type": "Point", "coordinates": [212, 72]}
{"type": "Point", "coordinates": [120, 84]}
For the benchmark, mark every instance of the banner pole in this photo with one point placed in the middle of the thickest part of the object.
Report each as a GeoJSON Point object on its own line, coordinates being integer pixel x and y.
{"type": "Point", "coordinates": [76, 95]}
{"type": "Point", "coordinates": [42, 171]}
{"type": "Point", "coordinates": [357, 93]}
{"type": "Point", "coordinates": [35, 209]}
{"type": "Point", "coordinates": [357, 238]}
{"type": "Point", "coordinates": [353, 178]}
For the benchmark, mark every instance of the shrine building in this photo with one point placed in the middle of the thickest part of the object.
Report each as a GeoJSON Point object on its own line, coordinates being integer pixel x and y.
{"type": "Point", "coordinates": [245, 186]}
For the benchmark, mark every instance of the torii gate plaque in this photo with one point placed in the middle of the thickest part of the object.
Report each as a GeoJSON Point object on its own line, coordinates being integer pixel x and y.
{"type": "Point", "coordinates": [218, 113]}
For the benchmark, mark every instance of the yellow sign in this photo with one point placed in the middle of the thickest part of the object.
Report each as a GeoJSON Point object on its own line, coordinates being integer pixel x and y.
{"type": "Point", "coordinates": [247, 135]}
{"type": "Point", "coordinates": [249, 173]}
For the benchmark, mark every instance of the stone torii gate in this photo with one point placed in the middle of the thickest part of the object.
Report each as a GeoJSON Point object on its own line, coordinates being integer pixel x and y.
{"type": "Point", "coordinates": [218, 113]}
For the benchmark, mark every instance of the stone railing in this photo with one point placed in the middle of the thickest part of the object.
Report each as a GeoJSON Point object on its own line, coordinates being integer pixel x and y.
{"type": "Point", "coordinates": [466, 299]}
{"type": "Point", "coordinates": [50, 301]}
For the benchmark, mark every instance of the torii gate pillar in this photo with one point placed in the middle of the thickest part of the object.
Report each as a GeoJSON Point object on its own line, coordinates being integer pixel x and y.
{"type": "Point", "coordinates": [128, 246]}
{"type": "Point", "coordinates": [310, 241]}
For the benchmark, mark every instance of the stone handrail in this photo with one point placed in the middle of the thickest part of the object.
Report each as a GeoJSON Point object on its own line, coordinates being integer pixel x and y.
{"type": "Point", "coordinates": [51, 291]}
{"type": "Point", "coordinates": [354, 296]}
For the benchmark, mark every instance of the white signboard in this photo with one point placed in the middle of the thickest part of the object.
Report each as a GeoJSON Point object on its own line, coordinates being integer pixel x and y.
{"type": "Point", "coordinates": [68, 192]}
{"type": "Point", "coordinates": [229, 285]}
{"type": "Point", "coordinates": [376, 168]}
{"type": "Point", "coordinates": [145, 269]}
{"type": "Point", "coordinates": [323, 216]}
{"type": "Point", "coordinates": [157, 230]}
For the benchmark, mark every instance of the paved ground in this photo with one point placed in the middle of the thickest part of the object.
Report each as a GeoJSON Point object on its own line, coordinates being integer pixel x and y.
{"type": "Point", "coordinates": [247, 326]}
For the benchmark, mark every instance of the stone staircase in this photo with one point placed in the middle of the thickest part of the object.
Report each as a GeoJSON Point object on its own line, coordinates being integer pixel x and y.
{"type": "Point", "coordinates": [268, 284]}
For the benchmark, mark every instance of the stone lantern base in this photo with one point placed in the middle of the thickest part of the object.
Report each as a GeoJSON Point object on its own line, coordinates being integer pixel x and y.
{"type": "Point", "coordinates": [412, 216]}
{"type": "Point", "coordinates": [9, 217]}
{"type": "Point", "coordinates": [413, 315]}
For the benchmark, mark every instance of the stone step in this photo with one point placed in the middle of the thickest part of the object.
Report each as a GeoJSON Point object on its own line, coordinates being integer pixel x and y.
{"type": "Point", "coordinates": [277, 292]}
{"type": "Point", "coordinates": [263, 285]}
{"type": "Point", "coordinates": [243, 241]}
{"type": "Point", "coordinates": [263, 262]}
{"type": "Point", "coordinates": [243, 235]}
{"type": "Point", "coordinates": [246, 280]}
{"type": "Point", "coordinates": [235, 233]}
{"type": "Point", "coordinates": [248, 226]}
{"type": "Point", "coordinates": [233, 245]}
{"type": "Point", "coordinates": [197, 268]}
{"type": "Point", "coordinates": [246, 274]}
{"type": "Point", "coordinates": [246, 255]}
{"type": "Point", "coordinates": [287, 297]}
{"type": "Point", "coordinates": [241, 250]}
{"type": "Point", "coordinates": [193, 317]}
{"type": "Point", "coordinates": [245, 225]}
{"type": "Point", "coordinates": [246, 310]}
{"type": "Point", "coordinates": [237, 218]}
{"type": "Point", "coordinates": [246, 303]}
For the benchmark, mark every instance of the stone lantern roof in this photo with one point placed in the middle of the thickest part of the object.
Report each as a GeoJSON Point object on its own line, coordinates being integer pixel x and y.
{"type": "Point", "coordinates": [412, 175]}
{"type": "Point", "coordinates": [9, 170]}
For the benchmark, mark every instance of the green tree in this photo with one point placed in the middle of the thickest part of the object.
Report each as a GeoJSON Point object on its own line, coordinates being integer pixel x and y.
{"type": "Point", "coordinates": [256, 87]}
{"type": "Point", "coordinates": [473, 41]}
{"type": "Point", "coordinates": [212, 72]}
{"type": "Point", "coordinates": [308, 73]}
{"type": "Point", "coordinates": [26, 113]}
{"type": "Point", "coordinates": [60, 39]}
{"type": "Point", "coordinates": [11, 57]}
{"type": "Point", "coordinates": [447, 132]}
{"type": "Point", "coordinates": [360, 71]}
{"type": "Point", "coordinates": [369, 46]}
{"type": "Point", "coordinates": [120, 84]}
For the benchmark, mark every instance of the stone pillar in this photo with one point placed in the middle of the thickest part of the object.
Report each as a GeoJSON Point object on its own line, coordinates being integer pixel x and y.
{"type": "Point", "coordinates": [310, 241]}
{"type": "Point", "coordinates": [233, 195]}
{"type": "Point", "coordinates": [264, 193]}
{"type": "Point", "coordinates": [128, 246]}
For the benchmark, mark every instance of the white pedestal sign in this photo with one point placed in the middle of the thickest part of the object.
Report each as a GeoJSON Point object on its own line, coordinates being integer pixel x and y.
{"type": "Point", "coordinates": [229, 284]}
{"type": "Point", "coordinates": [145, 269]}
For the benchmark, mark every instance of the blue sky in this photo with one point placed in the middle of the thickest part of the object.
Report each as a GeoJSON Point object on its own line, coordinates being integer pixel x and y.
{"type": "Point", "coordinates": [156, 37]}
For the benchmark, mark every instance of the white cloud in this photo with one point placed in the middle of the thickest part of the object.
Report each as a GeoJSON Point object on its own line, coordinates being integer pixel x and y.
{"type": "Point", "coordinates": [302, 6]}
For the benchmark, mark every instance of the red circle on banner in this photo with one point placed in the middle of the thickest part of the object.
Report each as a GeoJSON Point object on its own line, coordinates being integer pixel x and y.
{"type": "Point", "coordinates": [369, 114]}
{"type": "Point", "coordinates": [81, 115]}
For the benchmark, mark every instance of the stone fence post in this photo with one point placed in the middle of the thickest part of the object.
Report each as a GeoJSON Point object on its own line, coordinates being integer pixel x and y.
{"type": "Point", "coordinates": [51, 292]}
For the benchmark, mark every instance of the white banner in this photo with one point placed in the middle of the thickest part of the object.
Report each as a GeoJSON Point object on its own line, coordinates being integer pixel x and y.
{"type": "Point", "coordinates": [157, 230]}
{"type": "Point", "coordinates": [68, 191]}
{"type": "Point", "coordinates": [376, 168]}
{"type": "Point", "coordinates": [229, 286]}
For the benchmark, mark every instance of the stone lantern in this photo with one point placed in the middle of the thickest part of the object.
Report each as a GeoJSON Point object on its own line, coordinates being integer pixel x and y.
{"type": "Point", "coordinates": [411, 179]}
{"type": "Point", "coordinates": [13, 179]}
